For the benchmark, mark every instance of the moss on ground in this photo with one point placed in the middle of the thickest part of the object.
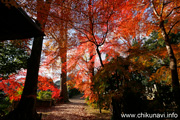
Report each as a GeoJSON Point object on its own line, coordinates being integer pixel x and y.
{"type": "Point", "coordinates": [104, 115]}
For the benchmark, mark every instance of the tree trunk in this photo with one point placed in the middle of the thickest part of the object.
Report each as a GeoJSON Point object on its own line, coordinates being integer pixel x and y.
{"type": "Point", "coordinates": [64, 35]}
{"type": "Point", "coordinates": [116, 109]}
{"type": "Point", "coordinates": [99, 54]}
{"type": "Point", "coordinates": [26, 108]}
{"type": "Point", "coordinates": [99, 101]}
{"type": "Point", "coordinates": [172, 66]}
{"type": "Point", "coordinates": [64, 92]}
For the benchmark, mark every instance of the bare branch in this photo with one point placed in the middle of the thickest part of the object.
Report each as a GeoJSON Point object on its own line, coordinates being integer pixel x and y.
{"type": "Point", "coordinates": [79, 29]}
{"type": "Point", "coordinates": [172, 11]}
{"type": "Point", "coordinates": [107, 29]}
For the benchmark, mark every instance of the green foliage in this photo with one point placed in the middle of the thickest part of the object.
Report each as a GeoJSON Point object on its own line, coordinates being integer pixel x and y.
{"type": "Point", "coordinates": [163, 100]}
{"type": "Point", "coordinates": [153, 41]}
{"type": "Point", "coordinates": [12, 58]}
{"type": "Point", "coordinates": [175, 38]}
{"type": "Point", "coordinates": [123, 82]}
{"type": "Point", "coordinates": [44, 95]}
{"type": "Point", "coordinates": [116, 83]}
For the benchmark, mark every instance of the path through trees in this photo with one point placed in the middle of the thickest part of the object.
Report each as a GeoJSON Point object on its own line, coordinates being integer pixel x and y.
{"type": "Point", "coordinates": [76, 109]}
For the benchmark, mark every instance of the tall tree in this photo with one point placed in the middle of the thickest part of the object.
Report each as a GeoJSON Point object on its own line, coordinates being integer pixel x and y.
{"type": "Point", "coordinates": [97, 20]}
{"type": "Point", "coordinates": [64, 35]}
{"type": "Point", "coordinates": [167, 15]}
{"type": "Point", "coordinates": [162, 15]}
{"type": "Point", "coordinates": [57, 47]}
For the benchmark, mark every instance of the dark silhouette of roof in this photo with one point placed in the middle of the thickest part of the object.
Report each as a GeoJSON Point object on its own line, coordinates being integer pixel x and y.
{"type": "Point", "coordinates": [16, 24]}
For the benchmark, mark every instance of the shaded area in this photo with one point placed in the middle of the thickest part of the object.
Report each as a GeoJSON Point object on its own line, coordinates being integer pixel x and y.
{"type": "Point", "coordinates": [16, 24]}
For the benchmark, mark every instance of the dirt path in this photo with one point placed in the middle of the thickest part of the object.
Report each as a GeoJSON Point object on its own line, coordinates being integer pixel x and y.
{"type": "Point", "coordinates": [74, 110]}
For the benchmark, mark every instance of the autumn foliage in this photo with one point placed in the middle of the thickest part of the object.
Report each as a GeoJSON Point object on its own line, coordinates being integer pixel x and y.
{"type": "Point", "coordinates": [111, 50]}
{"type": "Point", "coordinates": [13, 86]}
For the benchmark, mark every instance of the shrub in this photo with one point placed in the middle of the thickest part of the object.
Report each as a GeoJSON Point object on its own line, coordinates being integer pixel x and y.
{"type": "Point", "coordinates": [44, 95]}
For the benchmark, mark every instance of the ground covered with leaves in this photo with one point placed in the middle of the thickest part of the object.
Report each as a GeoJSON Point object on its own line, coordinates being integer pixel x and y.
{"type": "Point", "coordinates": [76, 109]}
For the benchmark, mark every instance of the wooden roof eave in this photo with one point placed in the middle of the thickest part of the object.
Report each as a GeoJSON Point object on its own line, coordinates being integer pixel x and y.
{"type": "Point", "coordinates": [16, 24]}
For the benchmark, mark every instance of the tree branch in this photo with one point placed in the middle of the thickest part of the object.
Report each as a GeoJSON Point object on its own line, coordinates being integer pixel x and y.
{"type": "Point", "coordinates": [162, 8]}
{"type": "Point", "coordinates": [172, 11]}
{"type": "Point", "coordinates": [99, 54]}
{"type": "Point", "coordinates": [78, 29]}
{"type": "Point", "coordinates": [107, 29]}
{"type": "Point", "coordinates": [173, 26]}
{"type": "Point", "coordinates": [154, 9]}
